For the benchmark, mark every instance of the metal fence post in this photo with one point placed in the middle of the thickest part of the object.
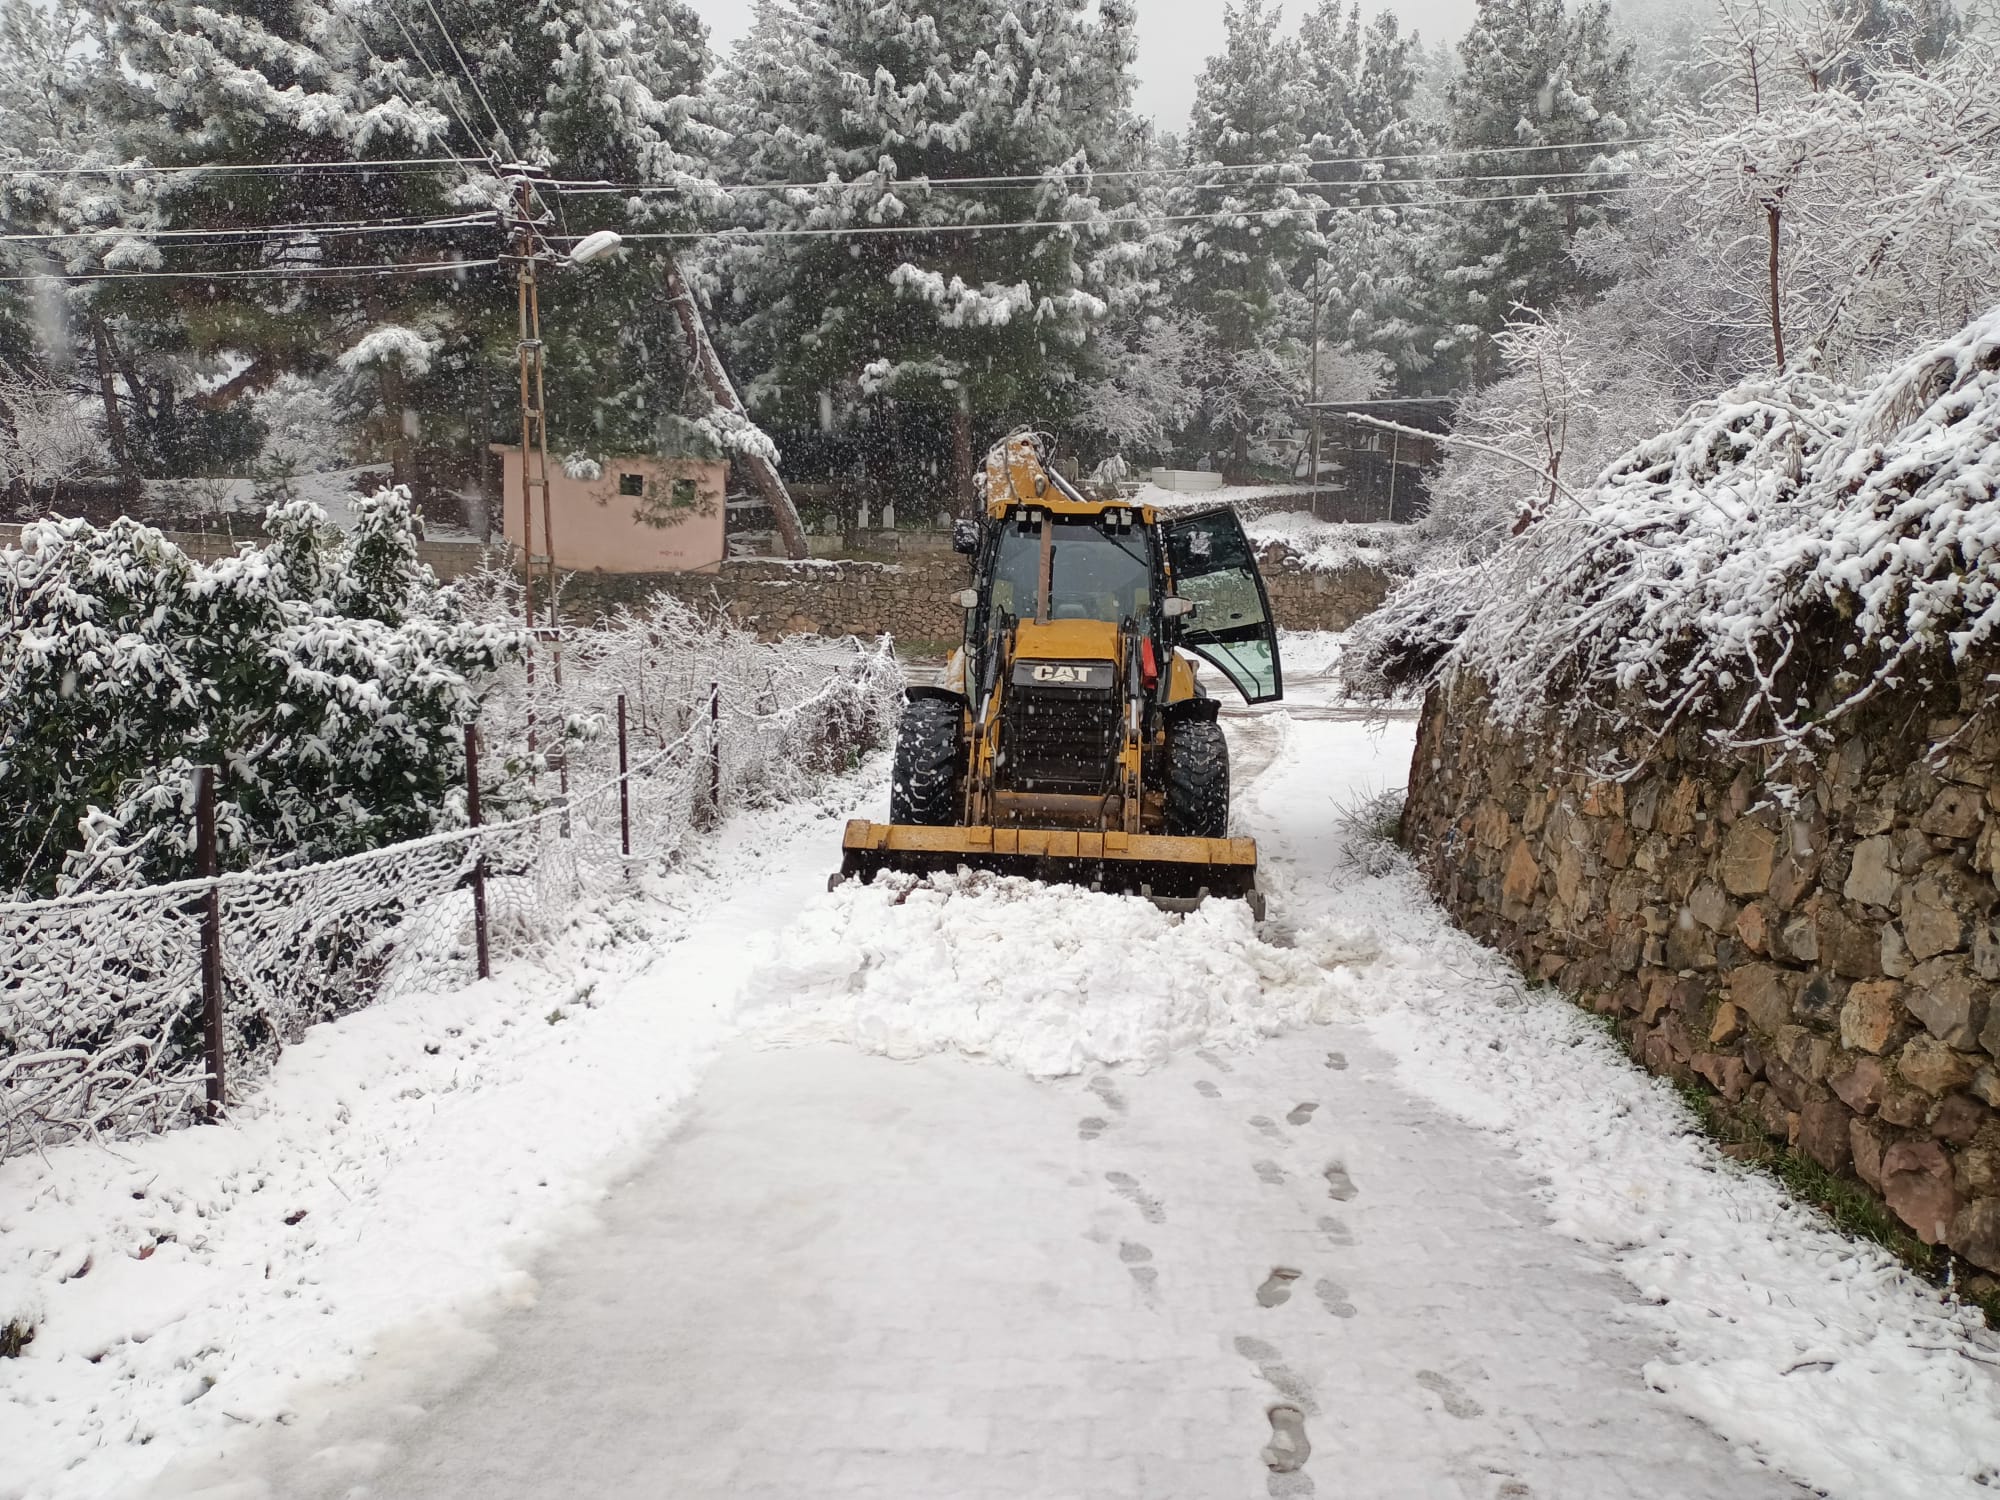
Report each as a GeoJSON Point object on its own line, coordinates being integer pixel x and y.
{"type": "Point", "coordinates": [624, 788]}
{"type": "Point", "coordinates": [479, 858]}
{"type": "Point", "coordinates": [211, 936]}
{"type": "Point", "coordinates": [715, 748]}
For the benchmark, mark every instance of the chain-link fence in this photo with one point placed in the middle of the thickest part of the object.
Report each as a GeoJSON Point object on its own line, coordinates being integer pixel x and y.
{"type": "Point", "coordinates": [104, 1016]}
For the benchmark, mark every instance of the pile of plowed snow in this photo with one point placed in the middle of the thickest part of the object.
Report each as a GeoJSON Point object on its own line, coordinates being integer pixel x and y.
{"type": "Point", "coordinates": [1047, 980]}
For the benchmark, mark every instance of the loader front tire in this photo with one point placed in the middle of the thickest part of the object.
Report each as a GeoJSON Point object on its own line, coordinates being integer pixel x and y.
{"type": "Point", "coordinates": [924, 786]}
{"type": "Point", "coordinates": [1197, 782]}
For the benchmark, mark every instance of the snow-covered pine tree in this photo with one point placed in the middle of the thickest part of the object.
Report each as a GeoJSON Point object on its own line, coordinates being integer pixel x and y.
{"type": "Point", "coordinates": [52, 123]}
{"type": "Point", "coordinates": [1369, 148]}
{"type": "Point", "coordinates": [1251, 221]}
{"type": "Point", "coordinates": [596, 92]}
{"type": "Point", "coordinates": [228, 87]}
{"type": "Point", "coordinates": [881, 309]}
{"type": "Point", "coordinates": [1534, 74]}
{"type": "Point", "coordinates": [591, 89]}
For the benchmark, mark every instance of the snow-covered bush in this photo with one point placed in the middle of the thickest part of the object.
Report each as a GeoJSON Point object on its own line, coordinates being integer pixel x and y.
{"type": "Point", "coordinates": [1785, 554]}
{"type": "Point", "coordinates": [45, 437]}
{"type": "Point", "coordinates": [1830, 191]}
{"type": "Point", "coordinates": [326, 676]}
{"type": "Point", "coordinates": [1574, 397]}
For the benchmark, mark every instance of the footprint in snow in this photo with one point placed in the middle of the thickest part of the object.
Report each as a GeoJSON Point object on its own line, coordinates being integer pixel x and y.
{"type": "Point", "coordinates": [1212, 1060]}
{"type": "Point", "coordinates": [1272, 1369]}
{"type": "Point", "coordinates": [1289, 1447]}
{"type": "Point", "coordinates": [1333, 1297]}
{"type": "Point", "coordinates": [1336, 1060]}
{"type": "Point", "coordinates": [1267, 1126]}
{"type": "Point", "coordinates": [1090, 1127]}
{"type": "Point", "coordinates": [1456, 1402]}
{"type": "Point", "coordinates": [1207, 1089]}
{"type": "Point", "coordinates": [1299, 1114]}
{"type": "Point", "coordinates": [1126, 1186]}
{"type": "Point", "coordinates": [1339, 1185]}
{"type": "Point", "coordinates": [1136, 1256]}
{"type": "Point", "coordinates": [1277, 1288]}
{"type": "Point", "coordinates": [1113, 1100]}
{"type": "Point", "coordinates": [1335, 1230]}
{"type": "Point", "coordinates": [1270, 1173]}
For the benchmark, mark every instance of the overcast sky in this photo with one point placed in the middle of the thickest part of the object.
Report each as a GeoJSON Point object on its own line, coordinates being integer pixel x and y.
{"type": "Point", "coordinates": [1175, 37]}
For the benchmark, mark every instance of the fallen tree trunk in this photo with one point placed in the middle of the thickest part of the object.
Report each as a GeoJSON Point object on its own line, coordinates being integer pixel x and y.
{"type": "Point", "coordinates": [723, 392]}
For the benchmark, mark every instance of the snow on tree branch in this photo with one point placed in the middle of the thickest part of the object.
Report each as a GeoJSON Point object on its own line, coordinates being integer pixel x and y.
{"type": "Point", "coordinates": [1785, 553]}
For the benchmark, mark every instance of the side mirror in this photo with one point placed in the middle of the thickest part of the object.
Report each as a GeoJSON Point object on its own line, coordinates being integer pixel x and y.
{"type": "Point", "coordinates": [968, 599]}
{"type": "Point", "coordinates": [965, 537]}
{"type": "Point", "coordinates": [1177, 608]}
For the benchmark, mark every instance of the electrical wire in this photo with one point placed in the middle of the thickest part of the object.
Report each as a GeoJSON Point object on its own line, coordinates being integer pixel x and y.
{"type": "Point", "coordinates": [1199, 169]}
{"type": "Point", "coordinates": [499, 130]}
{"type": "Point", "coordinates": [258, 231]}
{"type": "Point", "coordinates": [1113, 220]}
{"type": "Point", "coordinates": [411, 163]}
{"type": "Point", "coordinates": [450, 94]}
{"type": "Point", "coordinates": [233, 169]}
{"type": "Point", "coordinates": [1308, 184]}
{"type": "Point", "coordinates": [268, 273]}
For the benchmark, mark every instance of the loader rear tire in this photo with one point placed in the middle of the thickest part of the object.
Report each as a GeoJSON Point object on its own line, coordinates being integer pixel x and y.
{"type": "Point", "coordinates": [924, 786]}
{"type": "Point", "coordinates": [1197, 782]}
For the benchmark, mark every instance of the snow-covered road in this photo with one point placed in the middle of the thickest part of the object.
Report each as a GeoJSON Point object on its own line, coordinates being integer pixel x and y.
{"type": "Point", "coordinates": [845, 1275]}
{"type": "Point", "coordinates": [988, 1190]}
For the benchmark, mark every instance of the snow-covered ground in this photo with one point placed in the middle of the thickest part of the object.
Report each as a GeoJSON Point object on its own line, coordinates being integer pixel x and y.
{"type": "Point", "coordinates": [974, 1189]}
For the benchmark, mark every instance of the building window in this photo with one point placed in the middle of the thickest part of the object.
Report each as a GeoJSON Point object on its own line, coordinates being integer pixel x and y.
{"type": "Point", "coordinates": [684, 493]}
{"type": "Point", "coordinates": [632, 484]}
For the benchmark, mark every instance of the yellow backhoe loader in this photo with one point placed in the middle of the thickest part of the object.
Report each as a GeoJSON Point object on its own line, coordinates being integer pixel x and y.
{"type": "Point", "coordinates": [1070, 740]}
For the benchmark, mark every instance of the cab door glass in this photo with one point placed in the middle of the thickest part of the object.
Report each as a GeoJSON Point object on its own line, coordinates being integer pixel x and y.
{"type": "Point", "coordinates": [1231, 629]}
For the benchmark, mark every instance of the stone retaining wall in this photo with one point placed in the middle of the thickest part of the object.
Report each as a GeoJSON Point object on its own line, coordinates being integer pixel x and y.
{"type": "Point", "coordinates": [913, 599]}
{"type": "Point", "coordinates": [1816, 946]}
{"type": "Point", "coordinates": [910, 598]}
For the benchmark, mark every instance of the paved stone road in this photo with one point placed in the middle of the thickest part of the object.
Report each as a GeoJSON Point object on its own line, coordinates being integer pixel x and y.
{"type": "Point", "coordinates": [852, 1277]}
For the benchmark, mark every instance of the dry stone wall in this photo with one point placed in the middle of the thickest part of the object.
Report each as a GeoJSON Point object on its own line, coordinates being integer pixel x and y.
{"type": "Point", "coordinates": [913, 599]}
{"type": "Point", "coordinates": [1817, 946]}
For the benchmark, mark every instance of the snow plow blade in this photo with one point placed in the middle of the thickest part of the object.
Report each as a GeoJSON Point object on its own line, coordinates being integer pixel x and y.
{"type": "Point", "coordinates": [1173, 873]}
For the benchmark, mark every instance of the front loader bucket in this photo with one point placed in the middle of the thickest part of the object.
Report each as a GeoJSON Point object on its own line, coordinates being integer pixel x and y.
{"type": "Point", "coordinates": [1174, 873]}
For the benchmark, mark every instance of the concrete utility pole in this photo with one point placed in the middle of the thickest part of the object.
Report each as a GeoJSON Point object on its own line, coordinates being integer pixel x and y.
{"type": "Point", "coordinates": [722, 391]}
{"type": "Point", "coordinates": [534, 402]}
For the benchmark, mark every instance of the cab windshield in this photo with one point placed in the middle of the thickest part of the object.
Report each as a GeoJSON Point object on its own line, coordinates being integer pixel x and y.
{"type": "Point", "coordinates": [1094, 574]}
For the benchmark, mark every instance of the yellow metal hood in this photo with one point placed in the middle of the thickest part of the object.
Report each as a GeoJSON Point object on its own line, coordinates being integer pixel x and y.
{"type": "Point", "coordinates": [1066, 640]}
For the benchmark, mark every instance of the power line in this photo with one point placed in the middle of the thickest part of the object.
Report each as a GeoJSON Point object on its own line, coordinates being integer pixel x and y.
{"type": "Point", "coordinates": [599, 185]}
{"type": "Point", "coordinates": [914, 185]}
{"type": "Point", "coordinates": [233, 169]}
{"type": "Point", "coordinates": [259, 231]}
{"type": "Point", "coordinates": [1114, 220]}
{"type": "Point", "coordinates": [269, 273]}
{"type": "Point", "coordinates": [499, 130]}
{"type": "Point", "coordinates": [423, 57]}
{"type": "Point", "coordinates": [1018, 179]}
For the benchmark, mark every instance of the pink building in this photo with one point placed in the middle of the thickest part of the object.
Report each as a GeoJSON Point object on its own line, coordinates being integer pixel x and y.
{"type": "Point", "coordinates": [640, 515]}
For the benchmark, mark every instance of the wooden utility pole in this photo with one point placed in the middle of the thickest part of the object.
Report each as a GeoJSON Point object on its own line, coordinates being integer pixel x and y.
{"type": "Point", "coordinates": [479, 931]}
{"type": "Point", "coordinates": [215, 1044]}
{"type": "Point", "coordinates": [534, 403]}
{"type": "Point", "coordinates": [1313, 400]}
{"type": "Point", "coordinates": [722, 391]}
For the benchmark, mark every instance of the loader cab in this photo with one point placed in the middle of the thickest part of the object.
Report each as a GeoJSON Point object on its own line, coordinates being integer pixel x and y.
{"type": "Point", "coordinates": [1116, 566]}
{"type": "Point", "coordinates": [1099, 567]}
